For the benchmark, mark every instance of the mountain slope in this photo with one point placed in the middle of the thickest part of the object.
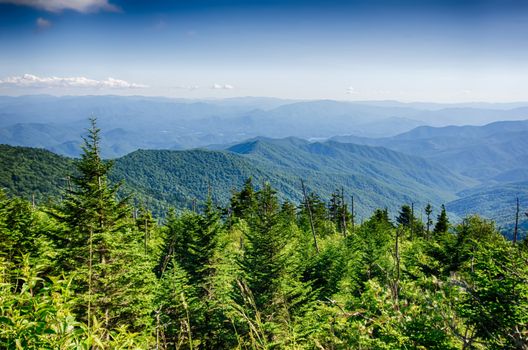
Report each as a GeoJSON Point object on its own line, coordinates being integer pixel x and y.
{"type": "Point", "coordinates": [33, 172]}
{"type": "Point", "coordinates": [487, 153]}
{"type": "Point", "coordinates": [176, 178]}
{"type": "Point", "coordinates": [496, 202]}
{"type": "Point", "coordinates": [334, 157]}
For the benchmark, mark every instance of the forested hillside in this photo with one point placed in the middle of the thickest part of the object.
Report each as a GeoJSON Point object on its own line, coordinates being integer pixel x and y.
{"type": "Point", "coordinates": [33, 173]}
{"type": "Point", "coordinates": [494, 155]}
{"type": "Point", "coordinates": [92, 271]}
{"type": "Point", "coordinates": [493, 152]}
{"type": "Point", "coordinates": [377, 177]}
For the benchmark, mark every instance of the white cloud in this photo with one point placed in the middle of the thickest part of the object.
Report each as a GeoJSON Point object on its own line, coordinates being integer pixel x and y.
{"type": "Point", "coordinates": [222, 86]}
{"type": "Point", "coordinates": [43, 23]}
{"type": "Point", "coordinates": [83, 6]}
{"type": "Point", "coordinates": [33, 81]}
{"type": "Point", "coordinates": [352, 91]}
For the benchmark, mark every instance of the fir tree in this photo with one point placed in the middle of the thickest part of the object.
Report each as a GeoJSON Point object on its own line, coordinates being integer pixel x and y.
{"type": "Point", "coordinates": [429, 221]}
{"type": "Point", "coordinates": [405, 217]}
{"type": "Point", "coordinates": [442, 223]}
{"type": "Point", "coordinates": [243, 202]}
{"type": "Point", "coordinates": [263, 259]}
{"type": "Point", "coordinates": [100, 244]}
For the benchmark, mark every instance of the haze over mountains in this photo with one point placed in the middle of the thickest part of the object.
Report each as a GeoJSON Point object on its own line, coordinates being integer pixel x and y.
{"type": "Point", "coordinates": [131, 123]}
{"type": "Point", "coordinates": [385, 153]}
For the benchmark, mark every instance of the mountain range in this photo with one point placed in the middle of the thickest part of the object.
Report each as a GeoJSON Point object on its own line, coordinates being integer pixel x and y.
{"type": "Point", "coordinates": [478, 169]}
{"type": "Point", "coordinates": [138, 122]}
{"type": "Point", "coordinates": [495, 155]}
{"type": "Point", "coordinates": [377, 177]}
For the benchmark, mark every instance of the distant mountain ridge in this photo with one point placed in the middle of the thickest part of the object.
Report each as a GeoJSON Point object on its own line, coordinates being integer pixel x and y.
{"type": "Point", "coordinates": [495, 155]}
{"type": "Point", "coordinates": [165, 123]}
{"type": "Point", "coordinates": [387, 152]}
{"type": "Point", "coordinates": [486, 153]}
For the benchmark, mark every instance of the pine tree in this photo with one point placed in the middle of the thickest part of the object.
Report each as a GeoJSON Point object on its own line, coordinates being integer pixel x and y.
{"type": "Point", "coordinates": [405, 216]}
{"type": "Point", "coordinates": [263, 259]}
{"type": "Point", "coordinates": [319, 215]}
{"type": "Point", "coordinates": [381, 217]}
{"type": "Point", "coordinates": [428, 211]}
{"type": "Point", "coordinates": [338, 211]}
{"type": "Point", "coordinates": [243, 202]}
{"type": "Point", "coordinates": [442, 223]}
{"type": "Point", "coordinates": [407, 219]}
{"type": "Point", "coordinates": [190, 246]}
{"type": "Point", "coordinates": [203, 246]}
{"type": "Point", "coordinates": [100, 245]}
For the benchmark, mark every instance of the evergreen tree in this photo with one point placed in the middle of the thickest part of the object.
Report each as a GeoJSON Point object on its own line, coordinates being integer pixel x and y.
{"type": "Point", "coordinates": [319, 215]}
{"type": "Point", "coordinates": [22, 232]}
{"type": "Point", "coordinates": [381, 217]}
{"type": "Point", "coordinates": [243, 202]}
{"type": "Point", "coordinates": [442, 222]}
{"type": "Point", "coordinates": [405, 217]}
{"type": "Point", "coordinates": [263, 259]}
{"type": "Point", "coordinates": [338, 211]}
{"type": "Point", "coordinates": [191, 243]}
{"type": "Point", "coordinates": [100, 244]}
{"type": "Point", "coordinates": [429, 221]}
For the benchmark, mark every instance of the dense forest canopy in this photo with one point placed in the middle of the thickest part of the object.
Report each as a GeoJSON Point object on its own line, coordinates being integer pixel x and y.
{"type": "Point", "coordinates": [89, 269]}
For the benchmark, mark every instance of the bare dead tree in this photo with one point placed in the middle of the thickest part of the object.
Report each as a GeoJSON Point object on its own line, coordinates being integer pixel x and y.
{"type": "Point", "coordinates": [412, 220]}
{"type": "Point", "coordinates": [343, 212]}
{"type": "Point", "coordinates": [309, 209]}
{"type": "Point", "coordinates": [352, 211]}
{"type": "Point", "coordinates": [516, 229]}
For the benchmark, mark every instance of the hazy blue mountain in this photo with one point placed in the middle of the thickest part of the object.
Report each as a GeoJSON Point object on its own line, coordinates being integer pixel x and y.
{"type": "Point", "coordinates": [493, 152]}
{"type": "Point", "coordinates": [162, 123]}
{"type": "Point", "coordinates": [165, 123]}
{"type": "Point", "coordinates": [116, 142]}
{"type": "Point", "coordinates": [432, 106]}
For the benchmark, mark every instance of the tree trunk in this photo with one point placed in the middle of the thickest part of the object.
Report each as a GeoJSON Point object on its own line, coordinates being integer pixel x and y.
{"type": "Point", "coordinates": [309, 216]}
{"type": "Point", "coordinates": [516, 223]}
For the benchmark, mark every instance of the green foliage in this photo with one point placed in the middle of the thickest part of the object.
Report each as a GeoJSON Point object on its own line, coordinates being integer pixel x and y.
{"type": "Point", "coordinates": [89, 272]}
{"type": "Point", "coordinates": [32, 173]}
{"type": "Point", "coordinates": [98, 243]}
{"type": "Point", "coordinates": [160, 179]}
{"type": "Point", "coordinates": [264, 258]}
{"type": "Point", "coordinates": [442, 222]}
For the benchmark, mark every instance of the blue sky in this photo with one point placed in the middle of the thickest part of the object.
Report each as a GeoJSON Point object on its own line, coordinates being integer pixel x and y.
{"type": "Point", "coordinates": [409, 50]}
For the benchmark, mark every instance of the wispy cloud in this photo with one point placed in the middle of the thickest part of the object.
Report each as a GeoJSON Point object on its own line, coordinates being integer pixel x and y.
{"type": "Point", "coordinates": [33, 81]}
{"type": "Point", "coordinates": [43, 23]}
{"type": "Point", "coordinates": [351, 91]}
{"type": "Point", "coordinates": [222, 87]}
{"type": "Point", "coordinates": [186, 87]}
{"type": "Point", "coordinates": [83, 6]}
